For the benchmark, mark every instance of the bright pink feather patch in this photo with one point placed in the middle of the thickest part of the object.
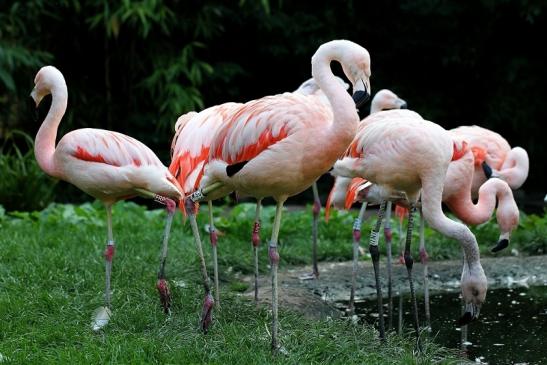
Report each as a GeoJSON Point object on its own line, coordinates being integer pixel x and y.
{"type": "Point", "coordinates": [82, 154]}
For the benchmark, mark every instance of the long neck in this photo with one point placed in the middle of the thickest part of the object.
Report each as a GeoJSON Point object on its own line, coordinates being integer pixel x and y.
{"type": "Point", "coordinates": [515, 167]}
{"type": "Point", "coordinates": [434, 215]}
{"type": "Point", "coordinates": [375, 106]}
{"type": "Point", "coordinates": [44, 146]}
{"type": "Point", "coordinates": [346, 118]}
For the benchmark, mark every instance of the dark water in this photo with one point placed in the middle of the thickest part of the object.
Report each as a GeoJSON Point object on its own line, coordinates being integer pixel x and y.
{"type": "Point", "coordinates": [512, 328]}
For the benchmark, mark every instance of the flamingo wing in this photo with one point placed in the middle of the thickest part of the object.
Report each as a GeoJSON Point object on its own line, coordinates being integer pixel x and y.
{"type": "Point", "coordinates": [192, 141]}
{"type": "Point", "coordinates": [111, 148]}
{"type": "Point", "coordinates": [260, 124]}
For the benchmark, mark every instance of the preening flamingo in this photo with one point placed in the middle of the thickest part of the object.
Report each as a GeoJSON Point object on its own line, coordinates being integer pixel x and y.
{"type": "Point", "coordinates": [107, 165]}
{"type": "Point", "coordinates": [279, 145]}
{"type": "Point", "coordinates": [398, 151]}
{"type": "Point", "coordinates": [509, 164]}
{"type": "Point", "coordinates": [190, 149]}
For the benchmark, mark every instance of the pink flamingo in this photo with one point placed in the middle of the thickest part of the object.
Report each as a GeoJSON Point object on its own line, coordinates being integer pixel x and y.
{"type": "Point", "coordinates": [190, 149]}
{"type": "Point", "coordinates": [398, 152]}
{"type": "Point", "coordinates": [279, 145]}
{"type": "Point", "coordinates": [107, 165]}
{"type": "Point", "coordinates": [383, 100]}
{"type": "Point", "coordinates": [509, 164]}
{"type": "Point", "coordinates": [343, 195]}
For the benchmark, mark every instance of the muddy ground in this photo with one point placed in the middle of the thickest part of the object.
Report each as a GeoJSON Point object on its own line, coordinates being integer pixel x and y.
{"type": "Point", "coordinates": [317, 298]}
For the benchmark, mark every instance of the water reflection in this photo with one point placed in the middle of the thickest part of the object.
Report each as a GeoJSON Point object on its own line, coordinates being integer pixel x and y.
{"type": "Point", "coordinates": [512, 328]}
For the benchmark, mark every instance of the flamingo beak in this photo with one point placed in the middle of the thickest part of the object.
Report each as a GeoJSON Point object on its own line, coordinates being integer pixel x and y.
{"type": "Point", "coordinates": [471, 313]}
{"type": "Point", "coordinates": [402, 104]}
{"type": "Point", "coordinates": [34, 95]}
{"type": "Point", "coordinates": [489, 172]}
{"type": "Point", "coordinates": [360, 93]}
{"type": "Point", "coordinates": [503, 243]}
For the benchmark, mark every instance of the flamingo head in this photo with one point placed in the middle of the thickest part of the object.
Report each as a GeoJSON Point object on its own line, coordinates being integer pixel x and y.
{"type": "Point", "coordinates": [474, 285]}
{"type": "Point", "coordinates": [356, 65]}
{"type": "Point", "coordinates": [386, 100]}
{"type": "Point", "coordinates": [47, 79]}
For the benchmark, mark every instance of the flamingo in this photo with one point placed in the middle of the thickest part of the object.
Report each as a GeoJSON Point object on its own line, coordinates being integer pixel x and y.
{"type": "Point", "coordinates": [107, 165]}
{"type": "Point", "coordinates": [510, 164]}
{"type": "Point", "coordinates": [383, 100]}
{"type": "Point", "coordinates": [190, 149]}
{"type": "Point", "coordinates": [279, 145]}
{"type": "Point", "coordinates": [398, 151]}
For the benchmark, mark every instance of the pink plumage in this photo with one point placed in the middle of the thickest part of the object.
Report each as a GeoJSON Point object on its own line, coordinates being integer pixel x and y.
{"type": "Point", "coordinates": [107, 165]}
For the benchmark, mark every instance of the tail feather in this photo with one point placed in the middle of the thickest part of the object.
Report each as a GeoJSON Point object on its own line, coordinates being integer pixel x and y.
{"type": "Point", "coordinates": [401, 212]}
{"type": "Point", "coordinates": [356, 182]}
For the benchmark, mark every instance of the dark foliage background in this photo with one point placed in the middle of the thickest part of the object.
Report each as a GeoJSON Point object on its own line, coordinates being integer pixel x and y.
{"type": "Point", "coordinates": [135, 66]}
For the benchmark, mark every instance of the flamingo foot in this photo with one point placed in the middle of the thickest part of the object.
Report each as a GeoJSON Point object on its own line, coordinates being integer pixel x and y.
{"type": "Point", "coordinates": [500, 245]}
{"type": "Point", "coordinates": [206, 312]}
{"type": "Point", "coordinates": [165, 295]}
{"type": "Point", "coordinates": [101, 318]}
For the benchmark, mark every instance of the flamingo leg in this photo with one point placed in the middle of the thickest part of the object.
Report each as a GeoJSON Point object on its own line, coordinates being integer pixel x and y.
{"type": "Point", "coordinates": [375, 255]}
{"type": "Point", "coordinates": [356, 243]}
{"type": "Point", "coordinates": [274, 263]}
{"type": "Point", "coordinates": [102, 314]}
{"type": "Point", "coordinates": [214, 238]}
{"type": "Point", "coordinates": [316, 210]}
{"type": "Point", "coordinates": [388, 237]}
{"type": "Point", "coordinates": [400, 322]}
{"type": "Point", "coordinates": [409, 262]}
{"type": "Point", "coordinates": [424, 259]}
{"type": "Point", "coordinates": [162, 285]}
{"type": "Point", "coordinates": [255, 240]}
{"type": "Point", "coordinates": [208, 303]}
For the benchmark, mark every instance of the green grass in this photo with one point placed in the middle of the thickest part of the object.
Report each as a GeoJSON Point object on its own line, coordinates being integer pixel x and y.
{"type": "Point", "coordinates": [52, 279]}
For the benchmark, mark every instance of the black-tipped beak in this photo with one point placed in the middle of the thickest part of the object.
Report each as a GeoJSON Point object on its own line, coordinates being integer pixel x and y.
{"type": "Point", "coordinates": [503, 243]}
{"type": "Point", "coordinates": [360, 97]}
{"type": "Point", "coordinates": [403, 106]}
{"type": "Point", "coordinates": [465, 319]}
{"type": "Point", "coordinates": [487, 170]}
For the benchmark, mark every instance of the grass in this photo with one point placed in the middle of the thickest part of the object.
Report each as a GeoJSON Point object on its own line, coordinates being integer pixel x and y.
{"type": "Point", "coordinates": [52, 279]}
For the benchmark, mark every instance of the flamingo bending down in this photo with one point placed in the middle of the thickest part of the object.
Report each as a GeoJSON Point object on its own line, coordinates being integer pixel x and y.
{"type": "Point", "coordinates": [279, 145]}
{"type": "Point", "coordinates": [190, 149]}
{"type": "Point", "coordinates": [398, 151]}
{"type": "Point", "coordinates": [107, 165]}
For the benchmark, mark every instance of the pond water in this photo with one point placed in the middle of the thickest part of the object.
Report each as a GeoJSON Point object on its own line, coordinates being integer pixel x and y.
{"type": "Point", "coordinates": [512, 327]}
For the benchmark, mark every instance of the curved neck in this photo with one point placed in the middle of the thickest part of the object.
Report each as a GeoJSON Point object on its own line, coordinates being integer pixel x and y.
{"type": "Point", "coordinates": [375, 106]}
{"type": "Point", "coordinates": [44, 146]}
{"type": "Point", "coordinates": [434, 215]}
{"type": "Point", "coordinates": [515, 167]}
{"type": "Point", "coordinates": [344, 127]}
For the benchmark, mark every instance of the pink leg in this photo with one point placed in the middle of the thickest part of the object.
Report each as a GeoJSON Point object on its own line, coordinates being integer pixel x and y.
{"type": "Point", "coordinates": [162, 285]}
{"type": "Point", "coordinates": [102, 314]}
{"type": "Point", "coordinates": [316, 210]}
{"type": "Point", "coordinates": [424, 258]}
{"type": "Point", "coordinates": [388, 237]}
{"type": "Point", "coordinates": [356, 243]}
{"type": "Point", "coordinates": [208, 303]}
{"type": "Point", "coordinates": [213, 237]}
{"type": "Point", "coordinates": [255, 239]}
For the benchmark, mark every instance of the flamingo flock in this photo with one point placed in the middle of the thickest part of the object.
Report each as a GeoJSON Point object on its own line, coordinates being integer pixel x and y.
{"type": "Point", "coordinates": [278, 146]}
